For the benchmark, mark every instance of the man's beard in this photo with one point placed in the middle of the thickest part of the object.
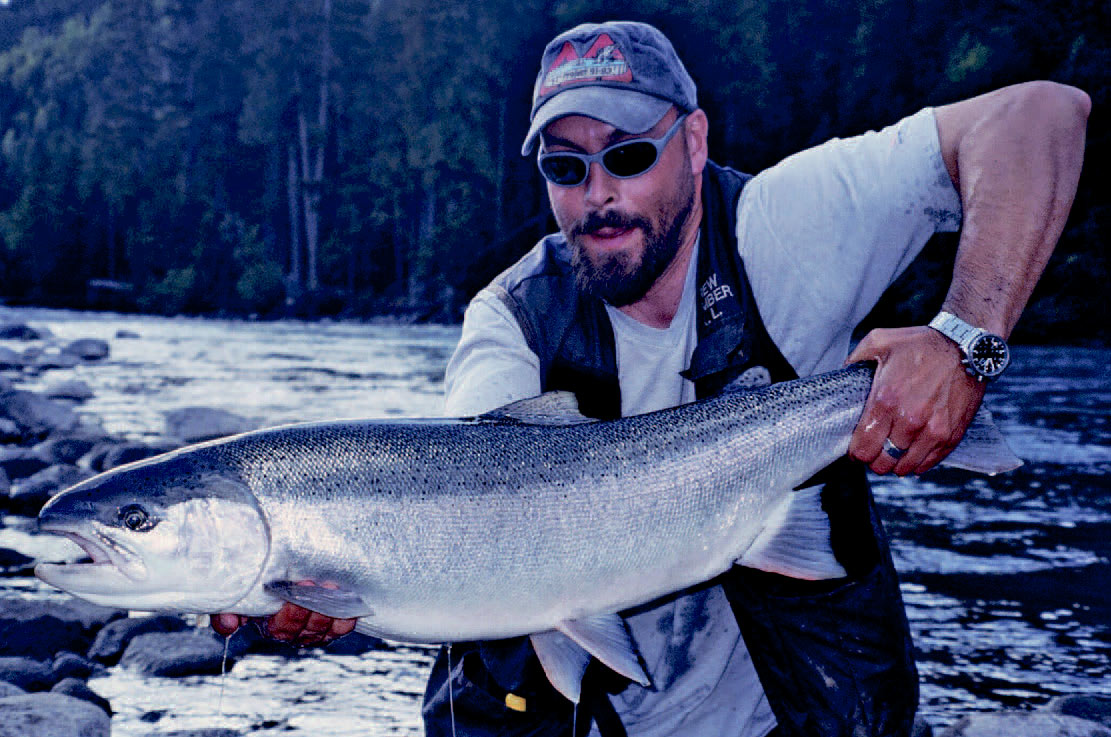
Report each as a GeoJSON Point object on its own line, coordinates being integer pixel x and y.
{"type": "Point", "coordinates": [620, 278]}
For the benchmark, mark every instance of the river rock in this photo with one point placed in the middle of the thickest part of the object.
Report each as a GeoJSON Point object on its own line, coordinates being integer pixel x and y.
{"type": "Point", "coordinates": [21, 463]}
{"type": "Point", "coordinates": [9, 689]}
{"type": "Point", "coordinates": [194, 424]}
{"type": "Point", "coordinates": [71, 665]}
{"type": "Point", "coordinates": [5, 484]}
{"type": "Point", "coordinates": [195, 652]}
{"type": "Point", "coordinates": [9, 359]}
{"type": "Point", "coordinates": [88, 349]}
{"type": "Point", "coordinates": [27, 673]}
{"type": "Point", "coordinates": [203, 732]}
{"type": "Point", "coordinates": [51, 715]}
{"type": "Point", "coordinates": [78, 689]}
{"type": "Point", "coordinates": [124, 334]}
{"type": "Point", "coordinates": [1025, 724]}
{"type": "Point", "coordinates": [20, 331]}
{"type": "Point", "coordinates": [49, 360]}
{"type": "Point", "coordinates": [13, 563]}
{"type": "Point", "coordinates": [39, 629]}
{"type": "Point", "coordinates": [28, 496]}
{"type": "Point", "coordinates": [72, 389]}
{"type": "Point", "coordinates": [70, 447]}
{"type": "Point", "coordinates": [9, 431]}
{"type": "Point", "coordinates": [36, 415]}
{"type": "Point", "coordinates": [113, 639]}
{"type": "Point", "coordinates": [1085, 706]}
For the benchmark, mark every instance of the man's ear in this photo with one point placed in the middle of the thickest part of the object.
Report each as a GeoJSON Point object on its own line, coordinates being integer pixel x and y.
{"type": "Point", "coordinates": [696, 129]}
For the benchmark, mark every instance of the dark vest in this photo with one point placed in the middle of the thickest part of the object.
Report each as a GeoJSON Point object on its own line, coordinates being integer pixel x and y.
{"type": "Point", "coordinates": [834, 657]}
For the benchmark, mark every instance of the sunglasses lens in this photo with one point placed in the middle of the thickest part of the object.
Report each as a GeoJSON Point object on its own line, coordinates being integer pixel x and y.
{"type": "Point", "coordinates": [563, 170]}
{"type": "Point", "coordinates": [630, 160]}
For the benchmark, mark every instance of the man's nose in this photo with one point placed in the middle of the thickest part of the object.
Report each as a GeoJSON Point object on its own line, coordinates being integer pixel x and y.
{"type": "Point", "coordinates": [601, 188]}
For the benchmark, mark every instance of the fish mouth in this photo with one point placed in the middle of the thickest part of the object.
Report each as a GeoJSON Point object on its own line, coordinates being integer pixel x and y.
{"type": "Point", "coordinates": [109, 564]}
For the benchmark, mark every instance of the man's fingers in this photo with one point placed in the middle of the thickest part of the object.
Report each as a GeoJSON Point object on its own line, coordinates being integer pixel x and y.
{"type": "Point", "coordinates": [226, 623]}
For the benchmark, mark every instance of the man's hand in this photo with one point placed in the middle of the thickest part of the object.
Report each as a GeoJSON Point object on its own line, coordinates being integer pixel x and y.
{"type": "Point", "coordinates": [293, 624]}
{"type": "Point", "coordinates": [922, 400]}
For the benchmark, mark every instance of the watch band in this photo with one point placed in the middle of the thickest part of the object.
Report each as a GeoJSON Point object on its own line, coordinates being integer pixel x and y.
{"type": "Point", "coordinates": [971, 341]}
{"type": "Point", "coordinates": [956, 329]}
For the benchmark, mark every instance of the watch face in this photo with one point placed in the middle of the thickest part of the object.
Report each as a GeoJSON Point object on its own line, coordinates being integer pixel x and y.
{"type": "Point", "coordinates": [989, 355]}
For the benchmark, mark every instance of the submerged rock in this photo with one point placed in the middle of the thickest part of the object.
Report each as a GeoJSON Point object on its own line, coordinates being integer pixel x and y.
{"type": "Point", "coordinates": [195, 652]}
{"type": "Point", "coordinates": [113, 639]}
{"type": "Point", "coordinates": [12, 562]}
{"type": "Point", "coordinates": [9, 359]}
{"type": "Point", "coordinates": [72, 389]}
{"type": "Point", "coordinates": [194, 424]}
{"type": "Point", "coordinates": [55, 360]}
{"type": "Point", "coordinates": [70, 447]}
{"type": "Point", "coordinates": [88, 349]}
{"type": "Point", "coordinates": [21, 463]}
{"type": "Point", "coordinates": [1025, 724]}
{"type": "Point", "coordinates": [51, 715]}
{"type": "Point", "coordinates": [21, 331]}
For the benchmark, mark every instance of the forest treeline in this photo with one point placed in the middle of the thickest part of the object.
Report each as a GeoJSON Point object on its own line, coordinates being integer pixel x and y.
{"type": "Point", "coordinates": [361, 157]}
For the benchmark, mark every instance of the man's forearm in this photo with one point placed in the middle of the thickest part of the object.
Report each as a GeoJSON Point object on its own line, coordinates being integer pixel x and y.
{"type": "Point", "coordinates": [1015, 156]}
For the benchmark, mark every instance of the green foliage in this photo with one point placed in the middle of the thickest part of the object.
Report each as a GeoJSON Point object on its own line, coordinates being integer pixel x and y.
{"type": "Point", "coordinates": [150, 141]}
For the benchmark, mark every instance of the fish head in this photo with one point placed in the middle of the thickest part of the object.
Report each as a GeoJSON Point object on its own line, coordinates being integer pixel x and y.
{"type": "Point", "coordinates": [167, 534]}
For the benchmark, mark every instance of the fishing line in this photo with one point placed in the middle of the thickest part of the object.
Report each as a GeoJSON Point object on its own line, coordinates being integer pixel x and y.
{"type": "Point", "coordinates": [223, 677]}
{"type": "Point", "coordinates": [450, 695]}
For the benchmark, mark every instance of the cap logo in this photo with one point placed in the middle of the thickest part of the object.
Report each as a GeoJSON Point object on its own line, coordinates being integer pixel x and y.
{"type": "Point", "coordinates": [603, 62]}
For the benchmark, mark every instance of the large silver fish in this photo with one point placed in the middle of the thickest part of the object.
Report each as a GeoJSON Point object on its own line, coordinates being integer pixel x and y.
{"type": "Point", "coordinates": [531, 520]}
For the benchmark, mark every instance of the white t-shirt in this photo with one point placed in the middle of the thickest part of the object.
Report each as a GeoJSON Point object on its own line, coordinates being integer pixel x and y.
{"type": "Point", "coordinates": [822, 235]}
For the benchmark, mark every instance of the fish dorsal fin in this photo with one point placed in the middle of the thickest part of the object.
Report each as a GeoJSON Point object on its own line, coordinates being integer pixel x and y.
{"type": "Point", "coordinates": [795, 540]}
{"type": "Point", "coordinates": [550, 408]}
{"type": "Point", "coordinates": [752, 378]}
{"type": "Point", "coordinates": [983, 449]}
{"type": "Point", "coordinates": [332, 602]}
{"type": "Point", "coordinates": [563, 662]}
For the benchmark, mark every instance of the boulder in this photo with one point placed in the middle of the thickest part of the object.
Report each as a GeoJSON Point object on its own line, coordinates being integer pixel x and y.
{"type": "Point", "coordinates": [194, 424]}
{"type": "Point", "coordinates": [72, 665]}
{"type": "Point", "coordinates": [21, 463]}
{"type": "Point", "coordinates": [9, 431]}
{"type": "Point", "coordinates": [1025, 724]}
{"type": "Point", "coordinates": [69, 447]}
{"type": "Point", "coordinates": [113, 639]}
{"type": "Point", "coordinates": [48, 360]}
{"type": "Point", "coordinates": [51, 715]}
{"type": "Point", "coordinates": [28, 495]}
{"type": "Point", "coordinates": [1085, 706]}
{"type": "Point", "coordinates": [14, 563]}
{"type": "Point", "coordinates": [88, 349]}
{"type": "Point", "coordinates": [173, 654]}
{"type": "Point", "coordinates": [20, 331]}
{"type": "Point", "coordinates": [73, 389]}
{"type": "Point", "coordinates": [35, 415]}
{"type": "Point", "coordinates": [78, 689]}
{"type": "Point", "coordinates": [39, 629]}
{"type": "Point", "coordinates": [10, 689]}
{"type": "Point", "coordinates": [9, 359]}
{"type": "Point", "coordinates": [27, 673]}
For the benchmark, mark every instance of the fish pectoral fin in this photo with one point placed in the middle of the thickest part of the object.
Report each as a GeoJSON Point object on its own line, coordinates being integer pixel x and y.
{"type": "Point", "coordinates": [563, 662]}
{"type": "Point", "coordinates": [606, 637]}
{"type": "Point", "coordinates": [983, 449]}
{"type": "Point", "coordinates": [327, 600]}
{"type": "Point", "coordinates": [795, 540]}
{"type": "Point", "coordinates": [550, 408]}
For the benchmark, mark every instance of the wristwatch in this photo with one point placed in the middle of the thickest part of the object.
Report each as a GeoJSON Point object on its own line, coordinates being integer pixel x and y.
{"type": "Point", "coordinates": [986, 355]}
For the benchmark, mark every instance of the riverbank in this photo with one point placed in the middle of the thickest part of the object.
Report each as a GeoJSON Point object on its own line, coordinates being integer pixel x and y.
{"type": "Point", "coordinates": [139, 375]}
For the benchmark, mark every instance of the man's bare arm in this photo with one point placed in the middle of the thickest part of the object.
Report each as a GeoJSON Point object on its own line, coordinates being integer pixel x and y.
{"type": "Point", "coordinates": [1015, 156]}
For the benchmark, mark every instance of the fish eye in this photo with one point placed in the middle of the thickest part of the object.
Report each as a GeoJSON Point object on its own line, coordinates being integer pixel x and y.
{"type": "Point", "coordinates": [134, 517]}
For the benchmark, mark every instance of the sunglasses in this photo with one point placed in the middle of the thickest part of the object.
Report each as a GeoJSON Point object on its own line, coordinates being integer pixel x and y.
{"type": "Point", "coordinates": [624, 160]}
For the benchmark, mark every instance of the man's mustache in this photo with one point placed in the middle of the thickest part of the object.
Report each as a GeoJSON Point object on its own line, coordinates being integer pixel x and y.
{"type": "Point", "coordinates": [595, 221]}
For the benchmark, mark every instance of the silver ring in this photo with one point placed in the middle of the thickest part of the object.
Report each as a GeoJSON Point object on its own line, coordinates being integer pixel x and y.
{"type": "Point", "coordinates": [892, 450]}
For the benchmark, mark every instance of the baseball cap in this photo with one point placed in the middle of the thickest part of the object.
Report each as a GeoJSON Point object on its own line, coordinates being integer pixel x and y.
{"type": "Point", "coordinates": [623, 73]}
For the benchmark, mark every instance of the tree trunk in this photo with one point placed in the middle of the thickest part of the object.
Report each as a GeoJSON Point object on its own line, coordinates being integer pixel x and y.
{"type": "Point", "coordinates": [293, 190]}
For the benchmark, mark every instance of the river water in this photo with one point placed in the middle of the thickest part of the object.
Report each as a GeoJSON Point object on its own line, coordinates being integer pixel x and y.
{"type": "Point", "coordinates": [1007, 580]}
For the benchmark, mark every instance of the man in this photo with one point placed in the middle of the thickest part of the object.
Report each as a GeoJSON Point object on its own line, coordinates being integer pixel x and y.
{"type": "Point", "coordinates": [671, 277]}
